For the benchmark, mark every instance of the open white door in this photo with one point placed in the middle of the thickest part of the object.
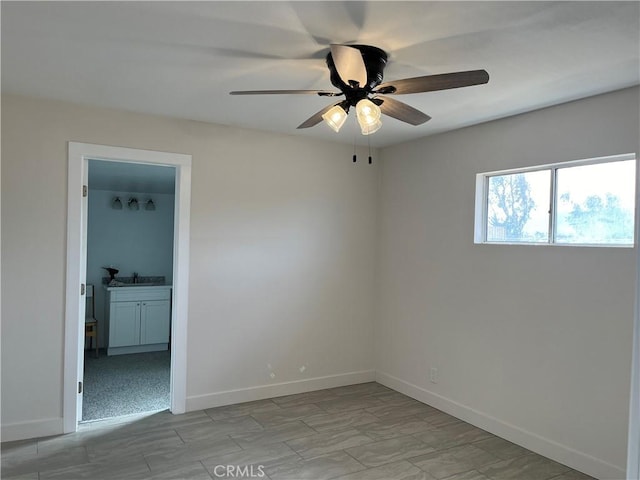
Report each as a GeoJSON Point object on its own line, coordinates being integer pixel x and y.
{"type": "Point", "coordinates": [83, 289]}
{"type": "Point", "coordinates": [75, 299]}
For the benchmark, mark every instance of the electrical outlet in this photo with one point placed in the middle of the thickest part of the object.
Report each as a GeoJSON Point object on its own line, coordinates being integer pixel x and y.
{"type": "Point", "coordinates": [433, 375]}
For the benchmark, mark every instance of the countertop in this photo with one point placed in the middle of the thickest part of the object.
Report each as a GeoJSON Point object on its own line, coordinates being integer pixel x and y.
{"type": "Point", "coordinates": [137, 286]}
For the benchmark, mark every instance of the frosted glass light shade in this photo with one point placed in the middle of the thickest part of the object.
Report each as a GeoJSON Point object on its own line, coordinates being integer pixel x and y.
{"type": "Point", "coordinates": [369, 129]}
{"type": "Point", "coordinates": [368, 114]}
{"type": "Point", "coordinates": [335, 117]}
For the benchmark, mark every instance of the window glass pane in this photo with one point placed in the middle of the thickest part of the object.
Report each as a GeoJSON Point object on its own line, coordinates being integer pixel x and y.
{"type": "Point", "coordinates": [518, 207]}
{"type": "Point", "coordinates": [595, 203]}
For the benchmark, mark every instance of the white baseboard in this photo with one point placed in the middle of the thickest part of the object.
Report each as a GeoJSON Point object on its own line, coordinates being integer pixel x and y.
{"type": "Point", "coordinates": [577, 460]}
{"type": "Point", "coordinates": [217, 399]}
{"type": "Point", "coordinates": [31, 429]}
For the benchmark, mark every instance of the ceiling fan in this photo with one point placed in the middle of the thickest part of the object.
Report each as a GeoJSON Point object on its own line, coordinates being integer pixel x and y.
{"type": "Point", "coordinates": [357, 71]}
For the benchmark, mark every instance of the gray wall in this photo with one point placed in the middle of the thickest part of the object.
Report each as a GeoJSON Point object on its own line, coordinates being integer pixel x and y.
{"type": "Point", "coordinates": [531, 342]}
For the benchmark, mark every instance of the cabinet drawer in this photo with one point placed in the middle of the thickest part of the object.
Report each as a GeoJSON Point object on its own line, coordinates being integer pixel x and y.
{"type": "Point", "coordinates": [128, 294]}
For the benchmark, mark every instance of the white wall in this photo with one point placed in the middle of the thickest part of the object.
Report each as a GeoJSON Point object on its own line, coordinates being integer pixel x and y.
{"type": "Point", "coordinates": [131, 240]}
{"type": "Point", "coordinates": [532, 343]}
{"type": "Point", "coordinates": [282, 255]}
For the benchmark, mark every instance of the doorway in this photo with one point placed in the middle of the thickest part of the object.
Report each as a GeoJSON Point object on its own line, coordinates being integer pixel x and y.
{"type": "Point", "coordinates": [77, 221]}
{"type": "Point", "coordinates": [129, 276]}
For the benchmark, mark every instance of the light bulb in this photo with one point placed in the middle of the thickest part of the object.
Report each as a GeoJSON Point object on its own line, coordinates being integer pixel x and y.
{"type": "Point", "coordinates": [335, 117]}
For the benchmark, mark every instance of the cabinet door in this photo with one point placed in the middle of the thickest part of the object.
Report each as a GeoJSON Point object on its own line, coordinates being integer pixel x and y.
{"type": "Point", "coordinates": [155, 321]}
{"type": "Point", "coordinates": [124, 324]}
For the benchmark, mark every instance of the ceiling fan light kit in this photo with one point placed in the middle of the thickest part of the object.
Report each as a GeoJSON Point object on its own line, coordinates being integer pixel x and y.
{"type": "Point", "coordinates": [335, 117]}
{"type": "Point", "coordinates": [370, 128]}
{"type": "Point", "coordinates": [357, 71]}
{"type": "Point", "coordinates": [368, 114]}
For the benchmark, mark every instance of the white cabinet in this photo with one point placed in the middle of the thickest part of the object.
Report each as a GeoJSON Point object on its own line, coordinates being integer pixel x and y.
{"type": "Point", "coordinates": [124, 324]}
{"type": "Point", "coordinates": [138, 319]}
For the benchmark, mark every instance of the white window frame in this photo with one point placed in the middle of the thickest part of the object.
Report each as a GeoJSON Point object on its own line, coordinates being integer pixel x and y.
{"type": "Point", "coordinates": [482, 199]}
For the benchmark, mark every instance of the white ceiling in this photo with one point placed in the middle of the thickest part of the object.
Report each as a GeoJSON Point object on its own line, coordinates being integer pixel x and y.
{"type": "Point", "coordinates": [182, 58]}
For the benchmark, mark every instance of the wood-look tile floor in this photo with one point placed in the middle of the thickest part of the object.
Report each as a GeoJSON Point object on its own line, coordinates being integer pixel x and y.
{"type": "Point", "coordinates": [358, 432]}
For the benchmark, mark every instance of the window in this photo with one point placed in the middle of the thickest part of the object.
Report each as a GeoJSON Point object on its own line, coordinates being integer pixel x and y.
{"type": "Point", "coordinates": [584, 202]}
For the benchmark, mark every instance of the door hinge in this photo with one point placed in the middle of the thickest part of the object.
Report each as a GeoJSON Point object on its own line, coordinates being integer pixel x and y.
{"type": "Point", "coordinates": [79, 387]}
{"type": "Point", "coordinates": [84, 190]}
{"type": "Point", "coordinates": [82, 289]}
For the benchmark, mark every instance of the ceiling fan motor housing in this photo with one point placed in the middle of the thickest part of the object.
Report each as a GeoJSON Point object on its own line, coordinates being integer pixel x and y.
{"type": "Point", "coordinates": [375, 59]}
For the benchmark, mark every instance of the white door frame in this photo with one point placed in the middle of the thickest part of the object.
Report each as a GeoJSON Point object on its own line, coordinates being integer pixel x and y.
{"type": "Point", "coordinates": [78, 156]}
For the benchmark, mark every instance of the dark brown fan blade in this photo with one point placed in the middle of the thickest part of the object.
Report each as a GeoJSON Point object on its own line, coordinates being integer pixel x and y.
{"type": "Point", "coordinates": [401, 111]}
{"type": "Point", "coordinates": [322, 93]}
{"type": "Point", "coordinates": [430, 83]}
{"type": "Point", "coordinates": [316, 118]}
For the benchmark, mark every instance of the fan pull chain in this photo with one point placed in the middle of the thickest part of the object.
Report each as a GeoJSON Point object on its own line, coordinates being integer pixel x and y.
{"type": "Point", "coordinates": [354, 146]}
{"type": "Point", "coordinates": [369, 143]}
